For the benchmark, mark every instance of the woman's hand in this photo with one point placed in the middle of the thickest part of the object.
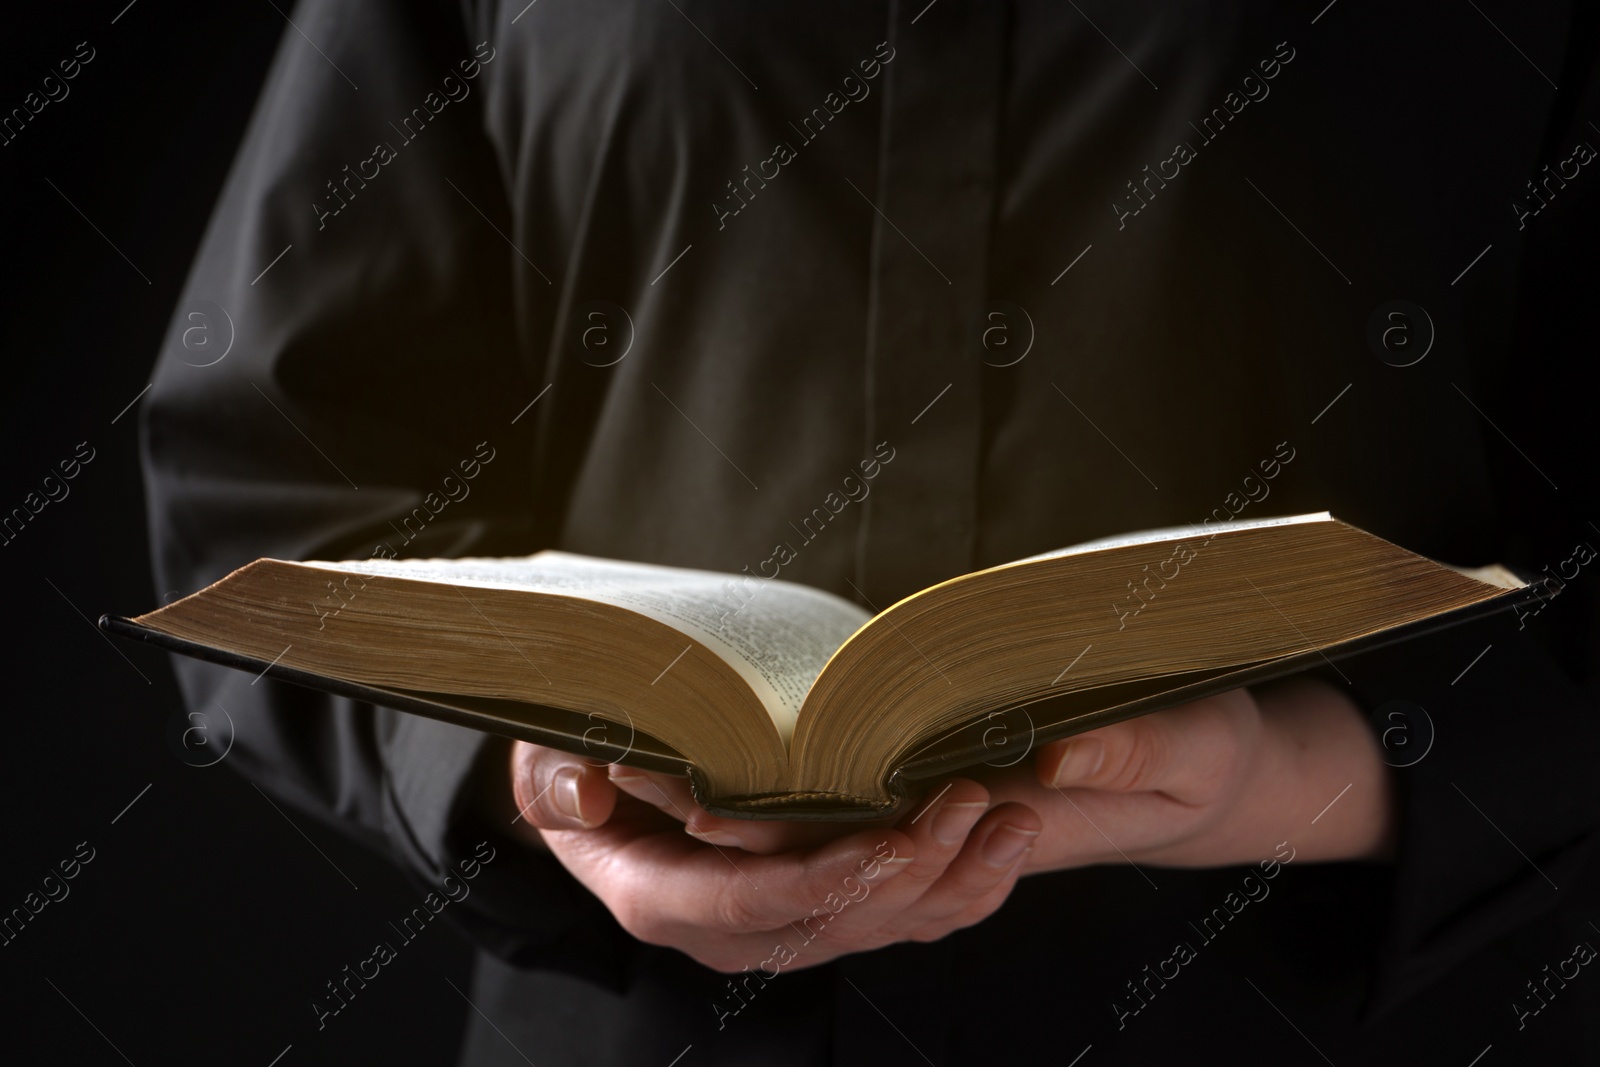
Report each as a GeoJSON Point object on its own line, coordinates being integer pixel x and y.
{"type": "Point", "coordinates": [1214, 782]}
{"type": "Point", "coordinates": [946, 864]}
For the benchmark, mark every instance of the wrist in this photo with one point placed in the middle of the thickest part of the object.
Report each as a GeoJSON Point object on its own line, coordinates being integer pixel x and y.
{"type": "Point", "coordinates": [1340, 797]}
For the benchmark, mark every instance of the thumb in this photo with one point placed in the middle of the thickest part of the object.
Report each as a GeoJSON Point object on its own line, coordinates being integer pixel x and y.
{"type": "Point", "coordinates": [555, 790]}
{"type": "Point", "coordinates": [1178, 751]}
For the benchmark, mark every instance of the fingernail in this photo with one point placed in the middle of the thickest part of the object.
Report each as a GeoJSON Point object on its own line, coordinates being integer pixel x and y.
{"type": "Point", "coordinates": [717, 837]}
{"type": "Point", "coordinates": [954, 820]}
{"type": "Point", "coordinates": [1083, 758]}
{"type": "Point", "coordinates": [1006, 844]}
{"type": "Point", "coordinates": [629, 783]}
{"type": "Point", "coordinates": [564, 794]}
{"type": "Point", "coordinates": [886, 869]}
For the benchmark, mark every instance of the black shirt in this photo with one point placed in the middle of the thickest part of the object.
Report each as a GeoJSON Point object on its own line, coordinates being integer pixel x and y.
{"type": "Point", "coordinates": [682, 266]}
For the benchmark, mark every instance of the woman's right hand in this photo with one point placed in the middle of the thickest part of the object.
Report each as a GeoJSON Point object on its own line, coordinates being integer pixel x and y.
{"type": "Point", "coordinates": [736, 894]}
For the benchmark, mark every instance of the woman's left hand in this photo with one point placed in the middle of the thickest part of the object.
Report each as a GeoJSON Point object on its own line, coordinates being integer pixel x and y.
{"type": "Point", "coordinates": [1214, 782]}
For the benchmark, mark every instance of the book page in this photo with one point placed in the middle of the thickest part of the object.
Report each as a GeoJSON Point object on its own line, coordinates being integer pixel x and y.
{"type": "Point", "coordinates": [1493, 574]}
{"type": "Point", "coordinates": [776, 634]}
{"type": "Point", "coordinates": [1172, 533]}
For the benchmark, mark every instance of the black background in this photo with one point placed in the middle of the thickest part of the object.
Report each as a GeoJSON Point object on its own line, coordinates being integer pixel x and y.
{"type": "Point", "coordinates": [206, 923]}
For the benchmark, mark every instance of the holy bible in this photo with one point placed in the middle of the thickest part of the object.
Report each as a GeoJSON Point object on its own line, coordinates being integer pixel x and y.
{"type": "Point", "coordinates": [783, 701]}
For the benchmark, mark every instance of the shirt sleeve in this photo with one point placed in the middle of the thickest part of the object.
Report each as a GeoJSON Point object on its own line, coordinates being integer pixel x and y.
{"type": "Point", "coordinates": [340, 380]}
{"type": "Point", "coordinates": [1501, 813]}
{"type": "Point", "coordinates": [1500, 808]}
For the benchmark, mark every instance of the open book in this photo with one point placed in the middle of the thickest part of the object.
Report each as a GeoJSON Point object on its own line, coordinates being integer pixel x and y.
{"type": "Point", "coordinates": [781, 700]}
